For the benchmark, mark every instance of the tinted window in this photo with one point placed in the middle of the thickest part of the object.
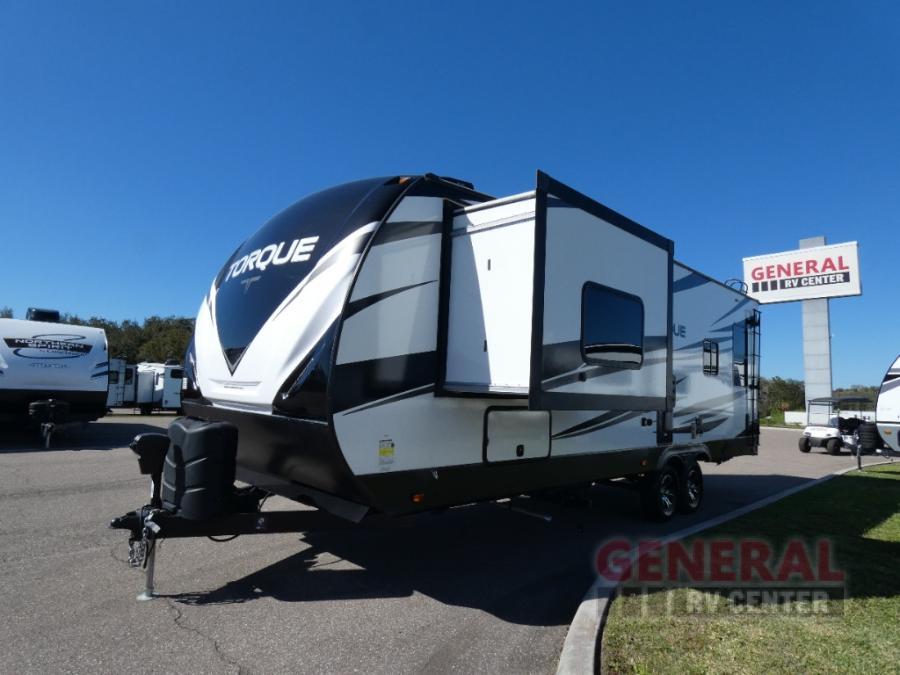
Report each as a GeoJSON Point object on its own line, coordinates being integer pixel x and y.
{"type": "Point", "coordinates": [710, 357]}
{"type": "Point", "coordinates": [612, 327]}
{"type": "Point", "coordinates": [129, 375]}
{"type": "Point", "coordinates": [270, 264]}
{"type": "Point", "coordinates": [739, 355]}
{"type": "Point", "coordinates": [114, 377]}
{"type": "Point", "coordinates": [176, 373]}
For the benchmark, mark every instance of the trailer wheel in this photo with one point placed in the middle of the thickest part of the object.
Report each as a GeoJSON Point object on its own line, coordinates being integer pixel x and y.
{"type": "Point", "coordinates": [146, 410]}
{"type": "Point", "coordinates": [804, 444]}
{"type": "Point", "coordinates": [690, 493]}
{"type": "Point", "coordinates": [833, 446]}
{"type": "Point", "coordinates": [659, 494]}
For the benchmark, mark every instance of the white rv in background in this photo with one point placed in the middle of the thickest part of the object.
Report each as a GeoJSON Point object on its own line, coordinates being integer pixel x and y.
{"type": "Point", "coordinates": [147, 386]}
{"type": "Point", "coordinates": [44, 360]}
{"type": "Point", "coordinates": [887, 409]}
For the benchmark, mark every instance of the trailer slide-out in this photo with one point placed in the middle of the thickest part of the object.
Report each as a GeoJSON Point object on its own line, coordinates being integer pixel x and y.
{"type": "Point", "coordinates": [402, 344]}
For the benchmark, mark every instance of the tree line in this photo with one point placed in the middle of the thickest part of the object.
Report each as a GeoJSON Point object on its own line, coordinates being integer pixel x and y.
{"type": "Point", "coordinates": [777, 394]}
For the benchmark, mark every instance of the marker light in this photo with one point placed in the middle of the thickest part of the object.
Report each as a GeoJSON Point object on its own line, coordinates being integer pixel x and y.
{"type": "Point", "coordinates": [418, 498]}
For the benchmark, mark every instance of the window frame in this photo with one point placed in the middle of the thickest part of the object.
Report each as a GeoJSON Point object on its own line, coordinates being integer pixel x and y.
{"type": "Point", "coordinates": [710, 347]}
{"type": "Point", "coordinates": [739, 374]}
{"type": "Point", "coordinates": [599, 361]}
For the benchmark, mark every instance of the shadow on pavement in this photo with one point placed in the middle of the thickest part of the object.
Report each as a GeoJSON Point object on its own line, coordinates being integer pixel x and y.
{"type": "Point", "coordinates": [518, 568]}
{"type": "Point", "coordinates": [90, 436]}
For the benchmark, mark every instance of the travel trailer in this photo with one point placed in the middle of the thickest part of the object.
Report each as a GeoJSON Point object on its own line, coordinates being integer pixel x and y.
{"type": "Point", "coordinates": [403, 344]}
{"type": "Point", "coordinates": [51, 373]}
{"type": "Point", "coordinates": [887, 408]}
{"type": "Point", "coordinates": [147, 386]}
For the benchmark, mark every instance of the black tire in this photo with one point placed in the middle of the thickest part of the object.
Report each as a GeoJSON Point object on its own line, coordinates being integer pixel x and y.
{"type": "Point", "coordinates": [804, 444]}
{"type": "Point", "coordinates": [146, 410]}
{"type": "Point", "coordinates": [833, 446]}
{"type": "Point", "coordinates": [869, 438]}
{"type": "Point", "coordinates": [659, 494]}
{"type": "Point", "coordinates": [690, 492]}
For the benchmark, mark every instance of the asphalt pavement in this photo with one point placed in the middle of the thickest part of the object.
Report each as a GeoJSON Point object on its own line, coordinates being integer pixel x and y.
{"type": "Point", "coordinates": [474, 589]}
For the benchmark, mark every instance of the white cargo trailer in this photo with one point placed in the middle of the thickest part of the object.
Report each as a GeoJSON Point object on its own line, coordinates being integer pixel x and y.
{"type": "Point", "coordinates": [147, 386]}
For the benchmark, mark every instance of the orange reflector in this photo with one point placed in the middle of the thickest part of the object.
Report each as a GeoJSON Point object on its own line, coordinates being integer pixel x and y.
{"type": "Point", "coordinates": [418, 498]}
{"type": "Point", "coordinates": [644, 462]}
{"type": "Point", "coordinates": [888, 432]}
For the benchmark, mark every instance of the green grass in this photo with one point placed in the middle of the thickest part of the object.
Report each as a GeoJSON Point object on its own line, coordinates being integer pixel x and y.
{"type": "Point", "coordinates": [860, 513]}
{"type": "Point", "coordinates": [776, 419]}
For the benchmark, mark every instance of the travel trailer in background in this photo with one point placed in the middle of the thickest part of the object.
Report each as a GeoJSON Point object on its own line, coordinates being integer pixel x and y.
{"type": "Point", "coordinates": [887, 409]}
{"type": "Point", "coordinates": [402, 344]}
{"type": "Point", "coordinates": [51, 374]}
{"type": "Point", "coordinates": [147, 386]}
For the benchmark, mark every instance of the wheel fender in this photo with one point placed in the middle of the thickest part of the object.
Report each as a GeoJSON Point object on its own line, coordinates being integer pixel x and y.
{"type": "Point", "coordinates": [681, 455]}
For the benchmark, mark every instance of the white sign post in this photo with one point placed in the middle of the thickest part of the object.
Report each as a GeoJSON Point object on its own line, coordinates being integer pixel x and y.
{"type": "Point", "coordinates": [813, 273]}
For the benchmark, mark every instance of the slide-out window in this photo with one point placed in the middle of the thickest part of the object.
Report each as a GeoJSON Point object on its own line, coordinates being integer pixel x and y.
{"type": "Point", "coordinates": [710, 357]}
{"type": "Point", "coordinates": [612, 327]}
{"type": "Point", "coordinates": [739, 354]}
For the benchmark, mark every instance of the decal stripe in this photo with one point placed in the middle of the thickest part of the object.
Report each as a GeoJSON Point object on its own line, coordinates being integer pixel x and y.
{"type": "Point", "coordinates": [692, 280]}
{"type": "Point", "coordinates": [360, 382]}
{"type": "Point", "coordinates": [357, 306]}
{"type": "Point", "coordinates": [418, 391]}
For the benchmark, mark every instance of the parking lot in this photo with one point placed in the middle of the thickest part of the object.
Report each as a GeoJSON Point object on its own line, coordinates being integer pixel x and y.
{"type": "Point", "coordinates": [475, 588]}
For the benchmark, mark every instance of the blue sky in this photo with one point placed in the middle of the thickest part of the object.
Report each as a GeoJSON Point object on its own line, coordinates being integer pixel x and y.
{"type": "Point", "coordinates": [140, 142]}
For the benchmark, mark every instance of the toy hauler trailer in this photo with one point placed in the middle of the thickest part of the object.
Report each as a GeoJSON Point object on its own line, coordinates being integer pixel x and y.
{"type": "Point", "coordinates": [147, 386]}
{"type": "Point", "coordinates": [51, 373]}
{"type": "Point", "coordinates": [402, 344]}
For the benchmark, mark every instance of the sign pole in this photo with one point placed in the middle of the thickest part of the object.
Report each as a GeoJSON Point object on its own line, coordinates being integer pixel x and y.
{"type": "Point", "coordinates": [816, 340]}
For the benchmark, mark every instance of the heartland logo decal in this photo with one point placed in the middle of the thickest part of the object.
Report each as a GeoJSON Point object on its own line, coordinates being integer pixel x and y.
{"type": "Point", "coordinates": [49, 346]}
{"type": "Point", "coordinates": [273, 254]}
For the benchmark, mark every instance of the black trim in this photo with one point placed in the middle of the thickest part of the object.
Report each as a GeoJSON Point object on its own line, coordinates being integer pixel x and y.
{"type": "Point", "coordinates": [303, 452]}
{"type": "Point", "coordinates": [552, 186]}
{"type": "Point", "coordinates": [83, 405]}
{"type": "Point", "coordinates": [400, 230]}
{"type": "Point", "coordinates": [443, 327]}
{"type": "Point", "coordinates": [452, 485]}
{"type": "Point", "coordinates": [536, 400]}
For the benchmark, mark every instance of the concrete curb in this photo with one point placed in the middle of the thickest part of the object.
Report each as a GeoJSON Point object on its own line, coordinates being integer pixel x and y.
{"type": "Point", "coordinates": [581, 649]}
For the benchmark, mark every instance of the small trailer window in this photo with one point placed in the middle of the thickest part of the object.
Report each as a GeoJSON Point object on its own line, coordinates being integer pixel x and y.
{"type": "Point", "coordinates": [114, 377]}
{"type": "Point", "coordinates": [710, 357]}
{"type": "Point", "coordinates": [612, 327]}
{"type": "Point", "coordinates": [739, 354]}
{"type": "Point", "coordinates": [176, 373]}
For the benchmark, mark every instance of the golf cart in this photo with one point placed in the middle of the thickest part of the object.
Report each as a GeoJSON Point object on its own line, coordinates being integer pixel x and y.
{"type": "Point", "coordinates": [828, 428]}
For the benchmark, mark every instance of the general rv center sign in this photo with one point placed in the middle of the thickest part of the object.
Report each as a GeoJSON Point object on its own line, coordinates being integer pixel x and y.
{"type": "Point", "coordinates": [804, 274]}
